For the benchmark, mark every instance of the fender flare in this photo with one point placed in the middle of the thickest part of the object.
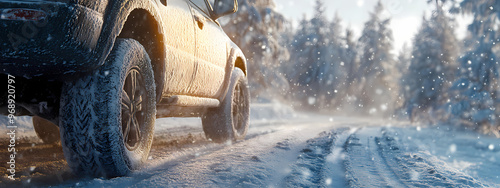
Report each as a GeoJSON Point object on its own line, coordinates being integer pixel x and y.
{"type": "Point", "coordinates": [115, 16]}
{"type": "Point", "coordinates": [234, 56]}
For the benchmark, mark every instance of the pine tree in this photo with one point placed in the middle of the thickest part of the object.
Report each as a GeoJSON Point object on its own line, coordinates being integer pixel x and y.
{"type": "Point", "coordinates": [475, 93]}
{"type": "Point", "coordinates": [404, 60]}
{"type": "Point", "coordinates": [402, 67]}
{"type": "Point", "coordinates": [432, 65]}
{"type": "Point", "coordinates": [319, 65]}
{"type": "Point", "coordinates": [373, 76]}
{"type": "Point", "coordinates": [317, 59]}
{"type": "Point", "coordinates": [300, 47]}
{"type": "Point", "coordinates": [333, 67]}
{"type": "Point", "coordinates": [350, 57]}
{"type": "Point", "coordinates": [347, 69]}
{"type": "Point", "coordinates": [337, 77]}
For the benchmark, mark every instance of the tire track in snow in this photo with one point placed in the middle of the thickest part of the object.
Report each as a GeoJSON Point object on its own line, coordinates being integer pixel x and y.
{"type": "Point", "coordinates": [419, 168]}
{"type": "Point", "coordinates": [365, 166]}
{"type": "Point", "coordinates": [310, 165]}
{"type": "Point", "coordinates": [377, 157]}
{"type": "Point", "coordinates": [319, 163]}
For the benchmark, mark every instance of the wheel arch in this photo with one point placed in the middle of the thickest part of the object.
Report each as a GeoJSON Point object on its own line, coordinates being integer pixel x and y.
{"type": "Point", "coordinates": [241, 64]}
{"type": "Point", "coordinates": [121, 17]}
{"type": "Point", "coordinates": [236, 59]}
{"type": "Point", "coordinates": [140, 25]}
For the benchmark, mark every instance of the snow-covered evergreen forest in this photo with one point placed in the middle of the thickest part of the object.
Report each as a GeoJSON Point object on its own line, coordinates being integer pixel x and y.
{"type": "Point", "coordinates": [321, 65]}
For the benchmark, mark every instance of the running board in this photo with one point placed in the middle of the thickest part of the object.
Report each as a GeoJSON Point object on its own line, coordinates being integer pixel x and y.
{"type": "Point", "coordinates": [188, 101]}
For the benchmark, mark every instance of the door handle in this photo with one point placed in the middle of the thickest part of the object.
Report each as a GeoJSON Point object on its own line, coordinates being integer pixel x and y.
{"type": "Point", "coordinates": [200, 21]}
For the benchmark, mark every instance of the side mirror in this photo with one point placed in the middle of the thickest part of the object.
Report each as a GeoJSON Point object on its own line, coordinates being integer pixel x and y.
{"type": "Point", "coordinates": [224, 7]}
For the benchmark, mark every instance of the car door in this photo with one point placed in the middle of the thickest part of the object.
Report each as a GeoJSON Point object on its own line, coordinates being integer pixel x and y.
{"type": "Point", "coordinates": [180, 42]}
{"type": "Point", "coordinates": [211, 52]}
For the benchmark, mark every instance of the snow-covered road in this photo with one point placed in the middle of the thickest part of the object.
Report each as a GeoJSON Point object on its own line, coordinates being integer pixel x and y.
{"type": "Point", "coordinates": [302, 151]}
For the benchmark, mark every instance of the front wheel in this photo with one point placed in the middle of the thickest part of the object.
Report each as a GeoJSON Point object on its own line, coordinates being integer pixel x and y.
{"type": "Point", "coordinates": [230, 120]}
{"type": "Point", "coordinates": [107, 117]}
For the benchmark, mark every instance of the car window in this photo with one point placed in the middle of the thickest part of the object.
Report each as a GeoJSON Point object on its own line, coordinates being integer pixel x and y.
{"type": "Point", "coordinates": [202, 5]}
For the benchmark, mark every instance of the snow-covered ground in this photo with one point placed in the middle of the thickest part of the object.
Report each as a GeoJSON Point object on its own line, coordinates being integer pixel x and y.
{"type": "Point", "coordinates": [308, 150]}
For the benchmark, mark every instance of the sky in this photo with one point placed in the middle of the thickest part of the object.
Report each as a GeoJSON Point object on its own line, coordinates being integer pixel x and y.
{"type": "Point", "coordinates": [406, 15]}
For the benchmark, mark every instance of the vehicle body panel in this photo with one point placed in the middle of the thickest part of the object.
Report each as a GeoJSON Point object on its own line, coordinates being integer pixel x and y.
{"type": "Point", "coordinates": [78, 35]}
{"type": "Point", "coordinates": [180, 42]}
{"type": "Point", "coordinates": [211, 54]}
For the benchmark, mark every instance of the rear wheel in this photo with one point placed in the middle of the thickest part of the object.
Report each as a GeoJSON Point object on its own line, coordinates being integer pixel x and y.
{"type": "Point", "coordinates": [46, 130]}
{"type": "Point", "coordinates": [230, 120]}
{"type": "Point", "coordinates": [107, 117]}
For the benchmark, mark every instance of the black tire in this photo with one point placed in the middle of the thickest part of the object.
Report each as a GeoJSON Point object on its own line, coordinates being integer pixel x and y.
{"type": "Point", "coordinates": [100, 110]}
{"type": "Point", "coordinates": [230, 121]}
{"type": "Point", "coordinates": [46, 130]}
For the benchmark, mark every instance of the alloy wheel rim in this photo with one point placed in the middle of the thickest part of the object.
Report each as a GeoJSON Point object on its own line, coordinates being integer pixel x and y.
{"type": "Point", "coordinates": [132, 104]}
{"type": "Point", "coordinates": [239, 106]}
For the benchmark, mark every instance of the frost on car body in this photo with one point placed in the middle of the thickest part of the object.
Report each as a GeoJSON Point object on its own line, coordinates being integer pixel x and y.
{"type": "Point", "coordinates": [105, 69]}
